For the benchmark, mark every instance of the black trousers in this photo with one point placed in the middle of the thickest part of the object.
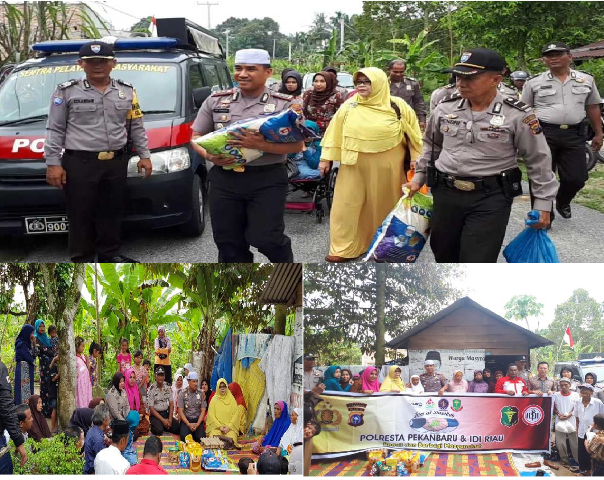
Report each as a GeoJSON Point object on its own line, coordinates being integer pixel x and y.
{"type": "Point", "coordinates": [468, 227]}
{"type": "Point", "coordinates": [568, 159]}
{"type": "Point", "coordinates": [94, 194]}
{"type": "Point", "coordinates": [197, 434]}
{"type": "Point", "coordinates": [247, 209]}
{"type": "Point", "coordinates": [584, 458]}
{"type": "Point", "coordinates": [157, 428]}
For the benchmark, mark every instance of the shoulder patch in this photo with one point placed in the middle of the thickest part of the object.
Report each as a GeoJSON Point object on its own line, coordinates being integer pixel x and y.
{"type": "Point", "coordinates": [122, 82]}
{"type": "Point", "coordinates": [67, 84]}
{"type": "Point", "coordinates": [223, 93]}
{"type": "Point", "coordinates": [514, 102]}
{"type": "Point", "coordinates": [282, 96]}
{"type": "Point", "coordinates": [451, 98]}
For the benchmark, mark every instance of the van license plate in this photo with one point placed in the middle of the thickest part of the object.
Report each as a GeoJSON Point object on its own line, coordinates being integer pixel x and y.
{"type": "Point", "coordinates": [34, 225]}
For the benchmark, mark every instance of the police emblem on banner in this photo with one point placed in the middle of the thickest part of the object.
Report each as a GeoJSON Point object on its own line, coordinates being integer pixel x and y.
{"type": "Point", "coordinates": [509, 416]}
{"type": "Point", "coordinates": [95, 48]}
{"type": "Point", "coordinates": [456, 407]}
{"type": "Point", "coordinates": [328, 415]}
{"type": "Point", "coordinates": [356, 412]}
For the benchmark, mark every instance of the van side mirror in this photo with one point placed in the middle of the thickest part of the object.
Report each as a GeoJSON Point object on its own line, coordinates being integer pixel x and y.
{"type": "Point", "coordinates": [200, 95]}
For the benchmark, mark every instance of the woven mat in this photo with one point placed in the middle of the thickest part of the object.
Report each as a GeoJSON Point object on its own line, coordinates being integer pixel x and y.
{"type": "Point", "coordinates": [436, 465]}
{"type": "Point", "coordinates": [175, 469]}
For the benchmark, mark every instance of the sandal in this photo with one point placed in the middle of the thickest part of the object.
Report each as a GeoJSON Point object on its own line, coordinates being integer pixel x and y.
{"type": "Point", "coordinates": [574, 469]}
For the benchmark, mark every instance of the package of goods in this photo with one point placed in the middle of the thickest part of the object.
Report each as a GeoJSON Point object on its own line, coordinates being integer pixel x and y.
{"type": "Point", "coordinates": [213, 461]}
{"type": "Point", "coordinates": [531, 245]}
{"type": "Point", "coordinates": [404, 233]}
{"type": "Point", "coordinates": [283, 127]}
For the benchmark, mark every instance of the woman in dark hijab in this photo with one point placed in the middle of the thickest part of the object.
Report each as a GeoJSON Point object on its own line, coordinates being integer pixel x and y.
{"type": "Point", "coordinates": [82, 417]}
{"type": "Point", "coordinates": [24, 371]}
{"type": "Point", "coordinates": [488, 377]}
{"type": "Point", "coordinates": [345, 378]}
{"type": "Point", "coordinates": [323, 101]}
{"type": "Point", "coordinates": [39, 427]}
{"type": "Point", "coordinates": [96, 401]}
{"type": "Point", "coordinates": [291, 84]}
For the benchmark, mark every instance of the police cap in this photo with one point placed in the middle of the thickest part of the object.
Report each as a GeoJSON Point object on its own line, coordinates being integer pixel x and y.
{"type": "Point", "coordinates": [478, 60]}
{"type": "Point", "coordinates": [96, 50]}
{"type": "Point", "coordinates": [555, 47]}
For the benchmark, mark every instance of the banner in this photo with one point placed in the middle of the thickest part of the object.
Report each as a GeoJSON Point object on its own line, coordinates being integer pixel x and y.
{"type": "Point", "coordinates": [466, 422]}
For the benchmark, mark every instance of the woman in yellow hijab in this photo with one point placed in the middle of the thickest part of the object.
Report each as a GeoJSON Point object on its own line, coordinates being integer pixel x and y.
{"type": "Point", "coordinates": [393, 382]}
{"type": "Point", "coordinates": [224, 413]}
{"type": "Point", "coordinates": [370, 142]}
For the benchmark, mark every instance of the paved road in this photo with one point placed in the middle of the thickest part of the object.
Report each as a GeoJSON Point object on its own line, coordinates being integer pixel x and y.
{"type": "Point", "coordinates": [578, 240]}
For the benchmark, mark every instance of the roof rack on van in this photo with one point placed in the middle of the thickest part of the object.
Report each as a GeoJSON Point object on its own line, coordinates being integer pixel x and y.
{"type": "Point", "coordinates": [134, 43]}
{"type": "Point", "coordinates": [190, 36]}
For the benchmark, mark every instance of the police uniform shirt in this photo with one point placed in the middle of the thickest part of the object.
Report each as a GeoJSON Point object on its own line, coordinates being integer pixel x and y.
{"type": "Point", "coordinates": [432, 383]}
{"type": "Point", "coordinates": [484, 144]}
{"type": "Point", "coordinates": [84, 118]}
{"type": "Point", "coordinates": [312, 379]}
{"type": "Point", "coordinates": [440, 93]}
{"type": "Point", "coordinates": [561, 103]}
{"type": "Point", "coordinates": [159, 398]}
{"type": "Point", "coordinates": [192, 403]}
{"type": "Point", "coordinates": [225, 107]}
{"type": "Point", "coordinates": [524, 374]}
{"type": "Point", "coordinates": [409, 91]}
{"type": "Point", "coordinates": [507, 90]}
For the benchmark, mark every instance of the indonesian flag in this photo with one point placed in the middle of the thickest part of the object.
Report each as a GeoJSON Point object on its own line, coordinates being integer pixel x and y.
{"type": "Point", "coordinates": [153, 27]}
{"type": "Point", "coordinates": [568, 338]}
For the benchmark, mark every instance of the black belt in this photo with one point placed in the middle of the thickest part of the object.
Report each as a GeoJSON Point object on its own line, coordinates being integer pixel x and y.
{"type": "Point", "coordinates": [259, 168]}
{"type": "Point", "coordinates": [560, 126]}
{"type": "Point", "coordinates": [469, 184]}
{"type": "Point", "coordinates": [106, 155]}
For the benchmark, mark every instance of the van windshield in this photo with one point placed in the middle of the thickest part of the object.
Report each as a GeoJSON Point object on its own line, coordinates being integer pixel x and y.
{"type": "Point", "coordinates": [597, 368]}
{"type": "Point", "coordinates": [27, 93]}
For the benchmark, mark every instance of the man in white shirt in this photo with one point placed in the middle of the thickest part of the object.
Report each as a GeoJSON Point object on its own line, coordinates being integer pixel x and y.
{"type": "Point", "coordinates": [110, 461]}
{"type": "Point", "coordinates": [585, 409]}
{"type": "Point", "coordinates": [564, 407]}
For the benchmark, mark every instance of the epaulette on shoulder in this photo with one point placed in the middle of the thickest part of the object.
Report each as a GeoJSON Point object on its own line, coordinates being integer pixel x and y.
{"type": "Point", "coordinates": [67, 84]}
{"type": "Point", "coordinates": [451, 98]}
{"type": "Point", "coordinates": [585, 73]}
{"type": "Point", "coordinates": [534, 76]}
{"type": "Point", "coordinates": [122, 82]}
{"type": "Point", "coordinates": [514, 102]}
{"type": "Point", "coordinates": [412, 79]}
{"type": "Point", "coordinates": [449, 85]}
{"type": "Point", "coordinates": [223, 93]}
{"type": "Point", "coordinates": [282, 96]}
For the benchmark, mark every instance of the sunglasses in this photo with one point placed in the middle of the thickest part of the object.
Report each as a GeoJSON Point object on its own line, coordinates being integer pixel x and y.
{"type": "Point", "coordinates": [362, 82]}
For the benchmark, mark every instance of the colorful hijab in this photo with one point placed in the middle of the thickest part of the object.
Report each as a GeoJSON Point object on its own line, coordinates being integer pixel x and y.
{"type": "Point", "coordinates": [41, 337]}
{"type": "Point", "coordinates": [96, 401]}
{"type": "Point", "coordinates": [330, 381]}
{"type": "Point", "coordinates": [371, 125]}
{"type": "Point", "coordinates": [391, 383]}
{"type": "Point", "coordinates": [367, 383]}
{"type": "Point", "coordinates": [355, 387]}
{"type": "Point", "coordinates": [478, 386]}
{"type": "Point", "coordinates": [39, 428]}
{"type": "Point", "coordinates": [295, 75]}
{"type": "Point", "coordinates": [458, 385]}
{"type": "Point", "coordinates": [133, 419]}
{"type": "Point", "coordinates": [319, 98]}
{"type": "Point", "coordinates": [23, 344]}
{"type": "Point", "coordinates": [280, 426]}
{"type": "Point", "coordinates": [132, 391]}
{"type": "Point", "coordinates": [237, 393]}
{"type": "Point", "coordinates": [223, 410]}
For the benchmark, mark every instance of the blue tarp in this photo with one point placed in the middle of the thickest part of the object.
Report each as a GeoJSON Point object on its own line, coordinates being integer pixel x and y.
{"type": "Point", "coordinates": [223, 364]}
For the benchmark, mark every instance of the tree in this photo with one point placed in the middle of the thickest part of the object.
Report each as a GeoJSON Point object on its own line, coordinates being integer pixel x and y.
{"type": "Point", "coordinates": [142, 25]}
{"type": "Point", "coordinates": [366, 303]}
{"type": "Point", "coordinates": [521, 307]}
{"type": "Point", "coordinates": [63, 303]}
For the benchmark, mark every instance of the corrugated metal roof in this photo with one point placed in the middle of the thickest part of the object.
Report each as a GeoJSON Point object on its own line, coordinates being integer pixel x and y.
{"type": "Point", "coordinates": [402, 341]}
{"type": "Point", "coordinates": [283, 285]}
{"type": "Point", "coordinates": [593, 50]}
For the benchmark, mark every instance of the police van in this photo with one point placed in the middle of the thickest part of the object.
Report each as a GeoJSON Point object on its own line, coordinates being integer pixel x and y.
{"type": "Point", "coordinates": [587, 363]}
{"type": "Point", "coordinates": [173, 74]}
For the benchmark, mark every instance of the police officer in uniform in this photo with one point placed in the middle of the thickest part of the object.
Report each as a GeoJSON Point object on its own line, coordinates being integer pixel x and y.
{"type": "Point", "coordinates": [160, 404]}
{"type": "Point", "coordinates": [442, 92]}
{"type": "Point", "coordinates": [522, 371]}
{"type": "Point", "coordinates": [508, 90]}
{"type": "Point", "coordinates": [561, 97]}
{"type": "Point", "coordinates": [247, 204]}
{"type": "Point", "coordinates": [519, 78]}
{"type": "Point", "coordinates": [312, 376]}
{"type": "Point", "coordinates": [432, 381]}
{"type": "Point", "coordinates": [192, 408]}
{"type": "Point", "coordinates": [407, 88]}
{"type": "Point", "coordinates": [471, 147]}
{"type": "Point", "coordinates": [90, 118]}
{"type": "Point", "coordinates": [9, 422]}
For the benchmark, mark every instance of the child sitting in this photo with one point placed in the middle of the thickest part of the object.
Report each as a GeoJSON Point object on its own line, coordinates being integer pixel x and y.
{"type": "Point", "coordinates": [307, 161]}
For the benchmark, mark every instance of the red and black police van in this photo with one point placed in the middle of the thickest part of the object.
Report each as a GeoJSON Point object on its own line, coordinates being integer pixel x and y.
{"type": "Point", "coordinates": [172, 73]}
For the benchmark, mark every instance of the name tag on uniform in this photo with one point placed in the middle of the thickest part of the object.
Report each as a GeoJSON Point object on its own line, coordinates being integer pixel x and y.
{"type": "Point", "coordinates": [269, 108]}
{"type": "Point", "coordinates": [121, 94]}
{"type": "Point", "coordinates": [83, 100]}
{"type": "Point", "coordinates": [221, 110]}
{"type": "Point", "coordinates": [409, 87]}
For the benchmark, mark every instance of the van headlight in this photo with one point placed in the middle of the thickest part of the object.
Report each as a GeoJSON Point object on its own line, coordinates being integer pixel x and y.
{"type": "Point", "coordinates": [168, 161]}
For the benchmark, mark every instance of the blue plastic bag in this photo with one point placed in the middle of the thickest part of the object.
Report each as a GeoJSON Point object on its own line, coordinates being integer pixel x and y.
{"type": "Point", "coordinates": [531, 245]}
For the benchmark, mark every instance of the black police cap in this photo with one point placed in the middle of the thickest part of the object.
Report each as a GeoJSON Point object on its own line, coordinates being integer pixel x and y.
{"type": "Point", "coordinates": [478, 60]}
{"type": "Point", "coordinates": [96, 50]}
{"type": "Point", "coordinates": [555, 47]}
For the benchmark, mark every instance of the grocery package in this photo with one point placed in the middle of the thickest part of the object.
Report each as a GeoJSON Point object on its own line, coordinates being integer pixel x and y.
{"type": "Point", "coordinates": [531, 245]}
{"type": "Point", "coordinates": [214, 461]}
{"type": "Point", "coordinates": [404, 232]}
{"type": "Point", "coordinates": [283, 127]}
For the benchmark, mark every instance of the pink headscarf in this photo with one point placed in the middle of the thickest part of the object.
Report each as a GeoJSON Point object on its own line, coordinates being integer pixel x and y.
{"type": "Point", "coordinates": [367, 383]}
{"type": "Point", "coordinates": [458, 386]}
{"type": "Point", "coordinates": [281, 404]}
{"type": "Point", "coordinates": [132, 392]}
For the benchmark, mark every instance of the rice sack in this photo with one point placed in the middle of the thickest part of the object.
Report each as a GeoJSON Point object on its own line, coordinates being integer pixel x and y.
{"type": "Point", "coordinates": [404, 232]}
{"type": "Point", "coordinates": [282, 127]}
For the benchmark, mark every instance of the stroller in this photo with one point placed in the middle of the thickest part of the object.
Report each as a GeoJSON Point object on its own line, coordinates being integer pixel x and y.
{"type": "Point", "coordinates": [304, 178]}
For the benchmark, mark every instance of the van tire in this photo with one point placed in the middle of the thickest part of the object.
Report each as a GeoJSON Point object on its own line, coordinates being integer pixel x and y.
{"type": "Point", "coordinates": [195, 226]}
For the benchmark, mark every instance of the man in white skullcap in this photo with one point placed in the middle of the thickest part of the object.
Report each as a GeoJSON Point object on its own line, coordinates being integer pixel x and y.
{"type": "Point", "coordinates": [432, 381]}
{"type": "Point", "coordinates": [247, 203]}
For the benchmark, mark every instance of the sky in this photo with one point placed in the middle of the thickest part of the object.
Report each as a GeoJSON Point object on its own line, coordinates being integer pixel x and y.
{"type": "Point", "coordinates": [292, 17]}
{"type": "Point", "coordinates": [492, 286]}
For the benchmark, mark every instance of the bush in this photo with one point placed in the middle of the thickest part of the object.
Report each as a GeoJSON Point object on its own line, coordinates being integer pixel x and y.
{"type": "Point", "coordinates": [50, 456]}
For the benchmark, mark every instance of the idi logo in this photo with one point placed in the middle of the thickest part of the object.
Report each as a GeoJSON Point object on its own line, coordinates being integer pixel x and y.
{"type": "Point", "coordinates": [533, 415]}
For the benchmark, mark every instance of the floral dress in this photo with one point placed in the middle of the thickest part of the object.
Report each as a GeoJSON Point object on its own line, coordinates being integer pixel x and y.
{"type": "Point", "coordinates": [94, 381]}
{"type": "Point", "coordinates": [322, 114]}
{"type": "Point", "coordinates": [49, 401]}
